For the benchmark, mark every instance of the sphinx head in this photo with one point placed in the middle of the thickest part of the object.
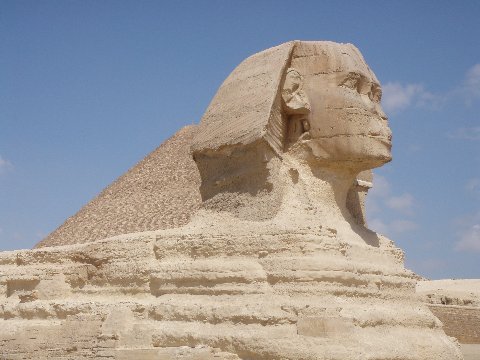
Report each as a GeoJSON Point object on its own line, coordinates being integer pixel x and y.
{"type": "Point", "coordinates": [332, 100]}
{"type": "Point", "coordinates": [314, 101]}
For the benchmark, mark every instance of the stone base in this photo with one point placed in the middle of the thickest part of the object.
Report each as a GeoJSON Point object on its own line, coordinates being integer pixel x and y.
{"type": "Point", "coordinates": [178, 295]}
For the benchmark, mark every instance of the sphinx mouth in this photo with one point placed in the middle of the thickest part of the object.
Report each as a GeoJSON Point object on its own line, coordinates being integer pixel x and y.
{"type": "Point", "coordinates": [386, 140]}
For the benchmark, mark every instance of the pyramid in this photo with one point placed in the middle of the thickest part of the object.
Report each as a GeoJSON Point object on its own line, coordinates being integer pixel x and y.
{"type": "Point", "coordinates": [159, 192]}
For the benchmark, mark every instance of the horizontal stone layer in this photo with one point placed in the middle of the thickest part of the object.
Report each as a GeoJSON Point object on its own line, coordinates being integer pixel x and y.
{"type": "Point", "coordinates": [123, 299]}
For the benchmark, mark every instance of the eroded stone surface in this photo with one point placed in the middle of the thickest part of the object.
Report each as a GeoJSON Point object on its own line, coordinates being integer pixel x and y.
{"type": "Point", "coordinates": [184, 294]}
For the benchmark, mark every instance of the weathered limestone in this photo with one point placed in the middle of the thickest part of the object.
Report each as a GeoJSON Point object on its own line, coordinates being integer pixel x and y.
{"type": "Point", "coordinates": [277, 295]}
{"type": "Point", "coordinates": [275, 264]}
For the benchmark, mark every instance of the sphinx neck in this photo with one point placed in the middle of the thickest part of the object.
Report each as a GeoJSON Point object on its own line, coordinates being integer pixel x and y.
{"type": "Point", "coordinates": [288, 189]}
{"type": "Point", "coordinates": [323, 191]}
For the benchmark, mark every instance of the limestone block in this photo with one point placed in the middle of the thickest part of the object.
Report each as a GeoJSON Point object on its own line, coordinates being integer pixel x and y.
{"type": "Point", "coordinates": [324, 327]}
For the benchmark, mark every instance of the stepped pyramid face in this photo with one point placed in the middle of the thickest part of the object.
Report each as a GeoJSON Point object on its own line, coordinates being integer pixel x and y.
{"type": "Point", "coordinates": [275, 263]}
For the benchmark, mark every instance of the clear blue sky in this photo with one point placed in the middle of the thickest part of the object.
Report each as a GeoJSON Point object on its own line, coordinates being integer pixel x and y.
{"type": "Point", "coordinates": [88, 88]}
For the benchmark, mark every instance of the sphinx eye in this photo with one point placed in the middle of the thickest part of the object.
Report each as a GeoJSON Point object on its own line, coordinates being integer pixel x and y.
{"type": "Point", "coordinates": [376, 93]}
{"type": "Point", "coordinates": [352, 81]}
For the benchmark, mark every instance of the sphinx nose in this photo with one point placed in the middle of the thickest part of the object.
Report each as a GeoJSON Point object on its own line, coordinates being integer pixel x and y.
{"type": "Point", "coordinates": [386, 132]}
{"type": "Point", "coordinates": [374, 107]}
{"type": "Point", "coordinates": [380, 112]}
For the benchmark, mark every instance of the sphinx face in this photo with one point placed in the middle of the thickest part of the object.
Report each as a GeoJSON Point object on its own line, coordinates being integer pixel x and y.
{"type": "Point", "coordinates": [347, 124]}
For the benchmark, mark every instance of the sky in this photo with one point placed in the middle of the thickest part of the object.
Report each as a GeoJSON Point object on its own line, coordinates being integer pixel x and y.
{"type": "Point", "coordinates": [88, 88]}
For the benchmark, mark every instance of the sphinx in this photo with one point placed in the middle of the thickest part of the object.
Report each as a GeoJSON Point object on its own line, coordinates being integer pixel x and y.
{"type": "Point", "coordinates": [276, 263]}
{"type": "Point", "coordinates": [295, 129]}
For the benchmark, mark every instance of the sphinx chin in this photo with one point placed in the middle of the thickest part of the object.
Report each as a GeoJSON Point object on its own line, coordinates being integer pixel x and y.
{"type": "Point", "coordinates": [324, 153]}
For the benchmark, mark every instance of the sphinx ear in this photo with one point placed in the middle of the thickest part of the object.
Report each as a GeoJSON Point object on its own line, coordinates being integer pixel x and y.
{"type": "Point", "coordinates": [295, 100]}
